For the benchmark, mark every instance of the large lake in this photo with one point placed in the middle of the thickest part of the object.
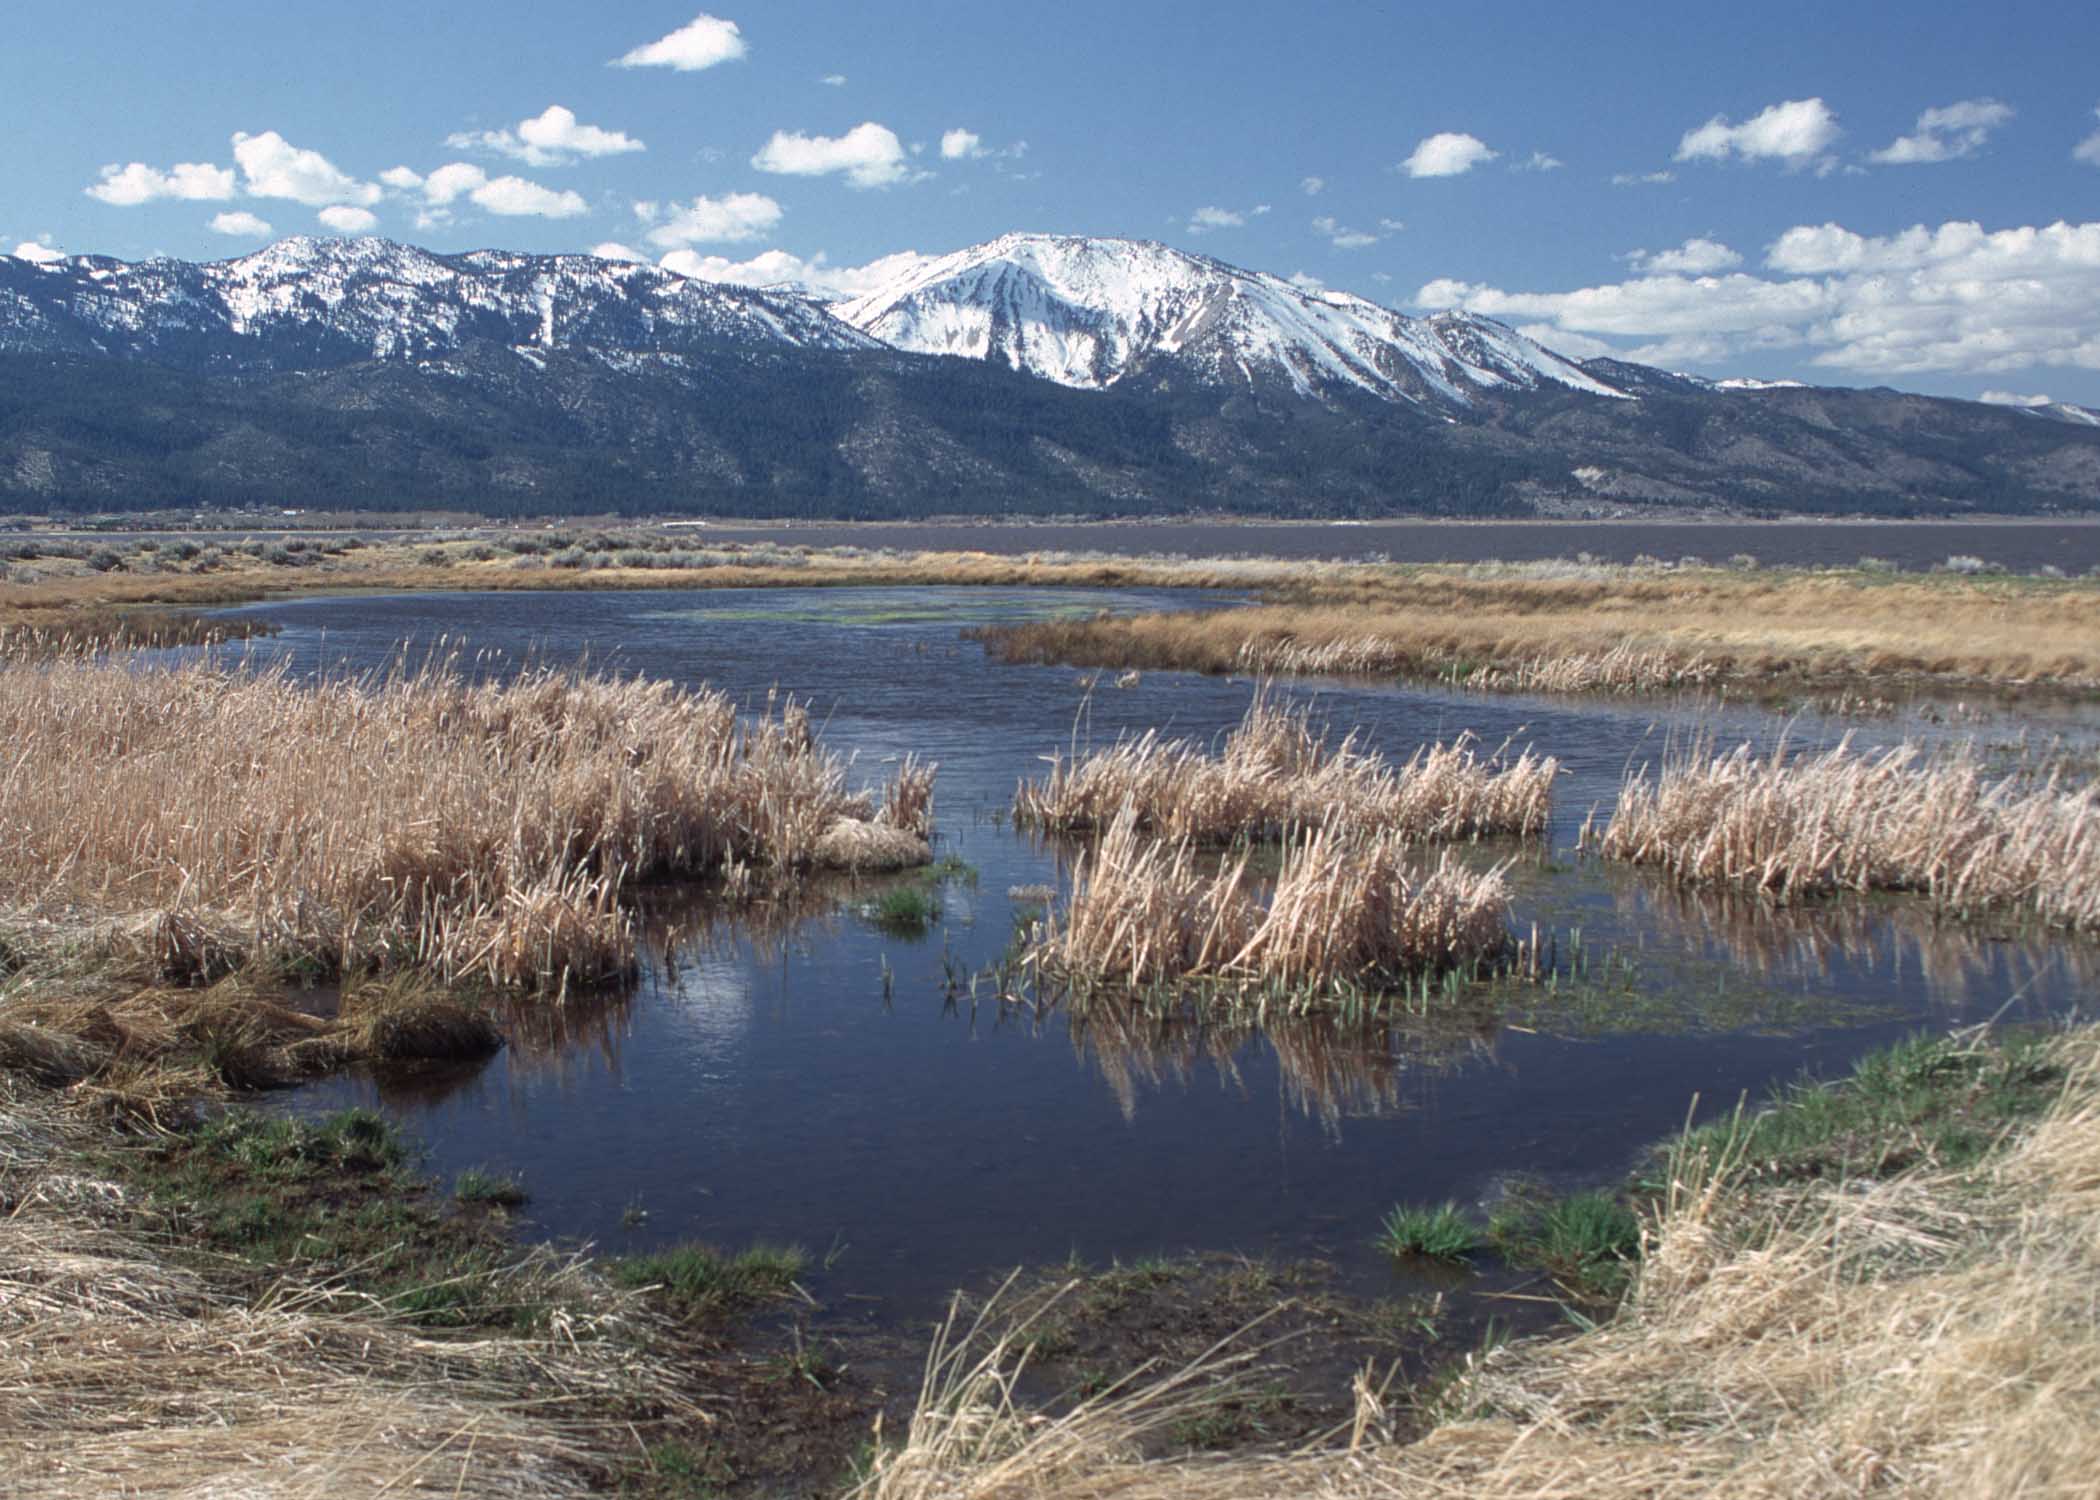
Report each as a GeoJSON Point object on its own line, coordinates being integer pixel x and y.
{"type": "Point", "coordinates": [822, 1082]}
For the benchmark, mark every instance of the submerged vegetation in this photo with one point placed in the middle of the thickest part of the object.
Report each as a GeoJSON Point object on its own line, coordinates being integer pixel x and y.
{"type": "Point", "coordinates": [1795, 826]}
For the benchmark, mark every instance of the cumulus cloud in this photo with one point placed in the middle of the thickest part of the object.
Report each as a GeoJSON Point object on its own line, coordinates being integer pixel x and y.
{"type": "Point", "coordinates": [960, 145]}
{"type": "Point", "coordinates": [1447, 154]}
{"type": "Point", "coordinates": [870, 155]}
{"type": "Point", "coordinates": [729, 219]}
{"type": "Point", "coordinates": [833, 80]}
{"type": "Point", "coordinates": [551, 138]}
{"type": "Point", "coordinates": [700, 43]}
{"type": "Point", "coordinates": [1205, 219]}
{"type": "Point", "coordinates": [1695, 257]}
{"type": "Point", "coordinates": [1955, 298]}
{"type": "Point", "coordinates": [2088, 150]}
{"type": "Point", "coordinates": [1538, 161]}
{"type": "Point", "coordinates": [129, 186]}
{"type": "Point", "coordinates": [453, 180]}
{"type": "Point", "coordinates": [240, 222]}
{"type": "Point", "coordinates": [614, 250]}
{"type": "Point", "coordinates": [1305, 281]}
{"type": "Point", "coordinates": [272, 167]}
{"type": "Point", "coordinates": [1340, 236]}
{"type": "Point", "coordinates": [1312, 187]}
{"type": "Point", "coordinates": [1947, 133]}
{"type": "Point", "coordinates": [2014, 398]}
{"type": "Point", "coordinates": [345, 219]}
{"type": "Point", "coordinates": [775, 267]}
{"type": "Point", "coordinates": [38, 252]}
{"type": "Point", "coordinates": [515, 197]}
{"type": "Point", "coordinates": [1794, 132]}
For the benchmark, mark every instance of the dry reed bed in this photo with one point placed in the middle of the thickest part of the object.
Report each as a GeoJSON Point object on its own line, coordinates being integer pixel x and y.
{"type": "Point", "coordinates": [1843, 821]}
{"type": "Point", "coordinates": [123, 1373]}
{"type": "Point", "coordinates": [1611, 630]}
{"type": "Point", "coordinates": [1932, 1335]}
{"type": "Point", "coordinates": [1346, 907]}
{"type": "Point", "coordinates": [1275, 773]}
{"type": "Point", "coordinates": [409, 820]}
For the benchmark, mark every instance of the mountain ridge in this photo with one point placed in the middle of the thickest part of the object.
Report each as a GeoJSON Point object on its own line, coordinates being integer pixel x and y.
{"type": "Point", "coordinates": [1032, 374]}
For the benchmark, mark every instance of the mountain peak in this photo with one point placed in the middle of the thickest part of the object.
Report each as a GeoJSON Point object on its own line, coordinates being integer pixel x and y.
{"type": "Point", "coordinates": [1092, 312]}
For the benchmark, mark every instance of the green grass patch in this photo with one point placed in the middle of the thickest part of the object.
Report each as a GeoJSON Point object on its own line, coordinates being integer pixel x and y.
{"type": "Point", "coordinates": [702, 1279]}
{"type": "Point", "coordinates": [907, 911]}
{"type": "Point", "coordinates": [1928, 1100]}
{"type": "Point", "coordinates": [1441, 1232]}
{"type": "Point", "coordinates": [479, 1185]}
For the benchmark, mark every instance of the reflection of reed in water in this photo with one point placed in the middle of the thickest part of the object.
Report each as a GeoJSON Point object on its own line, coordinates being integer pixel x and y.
{"type": "Point", "coordinates": [1957, 960]}
{"type": "Point", "coordinates": [1329, 1071]}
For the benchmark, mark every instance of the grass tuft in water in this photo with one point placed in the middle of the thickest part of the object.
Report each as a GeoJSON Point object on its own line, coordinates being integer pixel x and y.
{"type": "Point", "coordinates": [1438, 1233]}
{"type": "Point", "coordinates": [703, 1279]}
{"type": "Point", "coordinates": [479, 1185]}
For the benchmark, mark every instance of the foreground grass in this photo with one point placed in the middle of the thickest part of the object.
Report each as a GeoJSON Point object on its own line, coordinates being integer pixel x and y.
{"type": "Point", "coordinates": [1924, 1325]}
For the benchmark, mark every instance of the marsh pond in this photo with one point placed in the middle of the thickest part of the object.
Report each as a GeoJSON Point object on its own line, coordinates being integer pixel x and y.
{"type": "Point", "coordinates": [854, 1074]}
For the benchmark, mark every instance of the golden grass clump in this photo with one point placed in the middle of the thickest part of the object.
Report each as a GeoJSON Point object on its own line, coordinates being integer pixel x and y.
{"type": "Point", "coordinates": [1843, 821]}
{"type": "Point", "coordinates": [474, 831]}
{"type": "Point", "coordinates": [1930, 1335]}
{"type": "Point", "coordinates": [1345, 908]}
{"type": "Point", "coordinates": [1275, 772]}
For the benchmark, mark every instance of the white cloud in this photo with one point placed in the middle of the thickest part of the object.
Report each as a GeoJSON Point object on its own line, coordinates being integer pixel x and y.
{"type": "Point", "coordinates": [240, 222]}
{"type": "Point", "coordinates": [38, 252]}
{"type": "Point", "coordinates": [614, 250]}
{"type": "Point", "coordinates": [1641, 179]}
{"type": "Point", "coordinates": [725, 220]}
{"type": "Point", "coordinates": [833, 80]}
{"type": "Point", "coordinates": [1312, 187]}
{"type": "Point", "coordinates": [129, 186]}
{"type": "Point", "coordinates": [870, 155]}
{"type": "Point", "coordinates": [1793, 132]}
{"type": "Point", "coordinates": [700, 43]}
{"type": "Point", "coordinates": [1538, 161]}
{"type": "Point", "coordinates": [2088, 150]}
{"type": "Point", "coordinates": [1947, 133]}
{"type": "Point", "coordinates": [1306, 282]}
{"type": "Point", "coordinates": [405, 179]}
{"type": "Point", "coordinates": [453, 180]}
{"type": "Point", "coordinates": [514, 197]}
{"type": "Point", "coordinates": [552, 138]}
{"type": "Point", "coordinates": [1695, 257]}
{"type": "Point", "coordinates": [1205, 219]}
{"type": "Point", "coordinates": [345, 219]}
{"type": "Point", "coordinates": [2014, 398]}
{"type": "Point", "coordinates": [773, 267]}
{"type": "Point", "coordinates": [1952, 299]}
{"type": "Point", "coordinates": [272, 167]}
{"type": "Point", "coordinates": [1392, 226]}
{"type": "Point", "coordinates": [1447, 154]}
{"type": "Point", "coordinates": [960, 145]}
{"type": "Point", "coordinates": [1341, 237]}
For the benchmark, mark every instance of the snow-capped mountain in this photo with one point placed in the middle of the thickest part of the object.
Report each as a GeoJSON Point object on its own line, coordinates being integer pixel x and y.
{"type": "Point", "coordinates": [1091, 313]}
{"type": "Point", "coordinates": [304, 302]}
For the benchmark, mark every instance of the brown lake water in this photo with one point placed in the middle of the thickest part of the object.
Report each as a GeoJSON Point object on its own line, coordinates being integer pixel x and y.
{"type": "Point", "coordinates": [825, 1083]}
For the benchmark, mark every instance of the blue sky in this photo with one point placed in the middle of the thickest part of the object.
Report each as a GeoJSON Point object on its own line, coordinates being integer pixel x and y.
{"type": "Point", "coordinates": [1839, 192]}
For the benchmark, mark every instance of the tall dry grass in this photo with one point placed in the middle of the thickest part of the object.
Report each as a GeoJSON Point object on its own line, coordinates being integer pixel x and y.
{"type": "Point", "coordinates": [1276, 772]}
{"type": "Point", "coordinates": [1932, 1335]}
{"type": "Point", "coordinates": [1843, 821]}
{"type": "Point", "coordinates": [1345, 908]}
{"type": "Point", "coordinates": [410, 820]}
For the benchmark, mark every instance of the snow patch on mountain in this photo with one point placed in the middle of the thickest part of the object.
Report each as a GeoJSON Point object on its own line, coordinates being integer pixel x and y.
{"type": "Point", "coordinates": [1089, 312]}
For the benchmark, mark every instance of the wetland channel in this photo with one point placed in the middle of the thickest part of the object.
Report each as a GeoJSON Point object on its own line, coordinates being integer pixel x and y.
{"type": "Point", "coordinates": [809, 1077]}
